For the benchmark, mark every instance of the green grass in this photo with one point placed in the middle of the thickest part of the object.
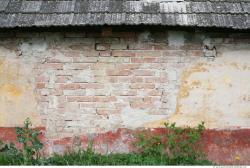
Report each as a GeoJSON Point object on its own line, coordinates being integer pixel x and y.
{"type": "Point", "coordinates": [90, 158]}
{"type": "Point", "coordinates": [84, 158]}
{"type": "Point", "coordinates": [6, 159]}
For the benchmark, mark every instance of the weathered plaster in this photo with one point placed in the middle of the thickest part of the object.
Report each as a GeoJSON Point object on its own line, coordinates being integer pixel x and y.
{"type": "Point", "coordinates": [17, 97]}
{"type": "Point", "coordinates": [216, 92]}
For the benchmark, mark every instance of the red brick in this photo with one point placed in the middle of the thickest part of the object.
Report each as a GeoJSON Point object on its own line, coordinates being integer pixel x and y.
{"type": "Point", "coordinates": [61, 102]}
{"type": "Point", "coordinates": [127, 66]}
{"type": "Point", "coordinates": [56, 92]}
{"type": "Point", "coordinates": [80, 98]}
{"type": "Point", "coordinates": [154, 93]}
{"type": "Point", "coordinates": [124, 53]}
{"type": "Point", "coordinates": [113, 79]}
{"type": "Point", "coordinates": [91, 98]}
{"type": "Point", "coordinates": [142, 86]}
{"type": "Point", "coordinates": [87, 105]}
{"type": "Point", "coordinates": [96, 67]}
{"type": "Point", "coordinates": [107, 111]}
{"type": "Point", "coordinates": [40, 85]}
{"type": "Point", "coordinates": [130, 79]}
{"type": "Point", "coordinates": [121, 106]}
{"type": "Point", "coordinates": [143, 72]}
{"type": "Point", "coordinates": [112, 72]}
{"type": "Point", "coordinates": [70, 86]}
{"type": "Point", "coordinates": [77, 66]}
{"type": "Point", "coordinates": [151, 54]}
{"type": "Point", "coordinates": [91, 86]}
{"type": "Point", "coordinates": [61, 59]}
{"type": "Point", "coordinates": [132, 92]}
{"type": "Point", "coordinates": [144, 60]}
{"type": "Point", "coordinates": [196, 53]}
{"type": "Point", "coordinates": [62, 79]}
{"type": "Point", "coordinates": [104, 98]}
{"type": "Point", "coordinates": [105, 53]}
{"type": "Point", "coordinates": [85, 59]}
{"type": "Point", "coordinates": [42, 79]}
{"type": "Point", "coordinates": [141, 104]}
{"type": "Point", "coordinates": [155, 79]}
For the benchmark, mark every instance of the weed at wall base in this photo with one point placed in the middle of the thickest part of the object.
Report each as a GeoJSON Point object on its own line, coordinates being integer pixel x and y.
{"type": "Point", "coordinates": [179, 146]}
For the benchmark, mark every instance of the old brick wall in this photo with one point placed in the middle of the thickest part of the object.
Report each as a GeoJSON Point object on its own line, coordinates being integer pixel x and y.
{"type": "Point", "coordinates": [89, 82]}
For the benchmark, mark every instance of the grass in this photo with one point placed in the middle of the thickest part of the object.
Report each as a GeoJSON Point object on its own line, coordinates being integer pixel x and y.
{"type": "Point", "coordinates": [86, 158]}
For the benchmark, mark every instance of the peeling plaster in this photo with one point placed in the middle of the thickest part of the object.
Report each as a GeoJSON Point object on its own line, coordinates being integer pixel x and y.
{"type": "Point", "coordinates": [214, 92]}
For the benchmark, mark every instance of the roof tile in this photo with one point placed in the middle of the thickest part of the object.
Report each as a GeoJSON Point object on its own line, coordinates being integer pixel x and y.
{"type": "Point", "coordinates": [3, 4]}
{"type": "Point", "coordinates": [203, 13]}
{"type": "Point", "coordinates": [13, 6]}
{"type": "Point", "coordinates": [65, 6]}
{"type": "Point", "coordinates": [30, 6]}
{"type": "Point", "coordinates": [48, 7]}
{"type": "Point", "coordinates": [81, 6]}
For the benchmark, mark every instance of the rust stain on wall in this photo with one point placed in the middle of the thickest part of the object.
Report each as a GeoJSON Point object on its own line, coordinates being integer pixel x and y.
{"type": "Point", "coordinates": [185, 86]}
{"type": "Point", "coordinates": [11, 90]}
{"type": "Point", "coordinates": [244, 67]}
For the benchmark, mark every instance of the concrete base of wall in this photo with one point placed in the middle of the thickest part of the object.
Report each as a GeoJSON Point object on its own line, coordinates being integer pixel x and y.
{"type": "Point", "coordinates": [227, 147]}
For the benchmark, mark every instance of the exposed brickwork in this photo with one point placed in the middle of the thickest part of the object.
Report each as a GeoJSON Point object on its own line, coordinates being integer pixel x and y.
{"type": "Point", "coordinates": [94, 82]}
{"type": "Point", "coordinates": [89, 84]}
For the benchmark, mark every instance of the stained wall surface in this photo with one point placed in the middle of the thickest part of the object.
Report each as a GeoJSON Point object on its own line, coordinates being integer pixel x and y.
{"type": "Point", "coordinates": [90, 82]}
